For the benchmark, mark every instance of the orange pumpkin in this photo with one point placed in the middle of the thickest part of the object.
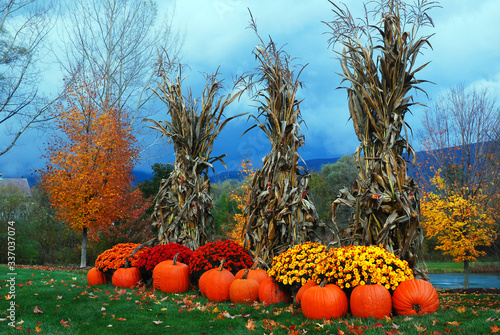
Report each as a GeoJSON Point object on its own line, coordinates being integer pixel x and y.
{"type": "Point", "coordinates": [371, 301]}
{"type": "Point", "coordinates": [271, 293]}
{"type": "Point", "coordinates": [324, 301]}
{"type": "Point", "coordinates": [96, 277]}
{"type": "Point", "coordinates": [244, 289]}
{"type": "Point", "coordinates": [174, 276]}
{"type": "Point", "coordinates": [415, 296]}
{"type": "Point", "coordinates": [258, 274]}
{"type": "Point", "coordinates": [302, 289]}
{"type": "Point", "coordinates": [126, 277]}
{"type": "Point", "coordinates": [218, 283]}
{"type": "Point", "coordinates": [157, 274]}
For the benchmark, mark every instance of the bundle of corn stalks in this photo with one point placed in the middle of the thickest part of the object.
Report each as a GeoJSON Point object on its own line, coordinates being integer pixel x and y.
{"type": "Point", "coordinates": [279, 212]}
{"type": "Point", "coordinates": [384, 199]}
{"type": "Point", "coordinates": [183, 203]}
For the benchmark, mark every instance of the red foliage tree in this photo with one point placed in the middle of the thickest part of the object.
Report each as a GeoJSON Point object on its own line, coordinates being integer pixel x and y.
{"type": "Point", "coordinates": [88, 173]}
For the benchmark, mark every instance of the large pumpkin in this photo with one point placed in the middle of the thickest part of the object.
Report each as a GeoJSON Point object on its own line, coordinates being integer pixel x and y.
{"type": "Point", "coordinates": [126, 277]}
{"type": "Point", "coordinates": [271, 293]}
{"type": "Point", "coordinates": [202, 282]}
{"type": "Point", "coordinates": [371, 301]}
{"type": "Point", "coordinates": [218, 283]}
{"type": "Point", "coordinates": [244, 289]}
{"type": "Point", "coordinates": [157, 274]}
{"type": "Point", "coordinates": [324, 301]}
{"type": "Point", "coordinates": [96, 277]}
{"type": "Point", "coordinates": [302, 289]}
{"type": "Point", "coordinates": [415, 296]}
{"type": "Point", "coordinates": [174, 276]}
{"type": "Point", "coordinates": [258, 274]}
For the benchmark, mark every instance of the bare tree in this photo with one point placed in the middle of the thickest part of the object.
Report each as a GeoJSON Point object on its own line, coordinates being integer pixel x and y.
{"type": "Point", "coordinates": [461, 135]}
{"type": "Point", "coordinates": [24, 29]}
{"type": "Point", "coordinates": [116, 41]}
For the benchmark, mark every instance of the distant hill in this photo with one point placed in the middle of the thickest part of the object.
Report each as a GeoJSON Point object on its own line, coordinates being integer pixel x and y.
{"type": "Point", "coordinates": [313, 165]}
{"type": "Point", "coordinates": [141, 176]}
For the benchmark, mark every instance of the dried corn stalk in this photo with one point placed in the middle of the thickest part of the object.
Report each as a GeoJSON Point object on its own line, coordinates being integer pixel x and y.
{"type": "Point", "coordinates": [384, 199]}
{"type": "Point", "coordinates": [279, 212]}
{"type": "Point", "coordinates": [183, 203]}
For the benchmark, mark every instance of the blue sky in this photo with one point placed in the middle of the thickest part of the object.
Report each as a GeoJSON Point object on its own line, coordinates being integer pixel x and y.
{"type": "Point", "coordinates": [466, 49]}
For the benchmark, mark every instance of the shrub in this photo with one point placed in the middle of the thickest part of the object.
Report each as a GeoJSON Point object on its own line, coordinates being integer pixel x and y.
{"type": "Point", "coordinates": [351, 266]}
{"type": "Point", "coordinates": [294, 267]}
{"type": "Point", "coordinates": [151, 257]}
{"type": "Point", "coordinates": [208, 256]}
{"type": "Point", "coordinates": [114, 258]}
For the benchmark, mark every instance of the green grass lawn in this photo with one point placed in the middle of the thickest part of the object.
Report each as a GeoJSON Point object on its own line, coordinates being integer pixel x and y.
{"type": "Point", "coordinates": [452, 267]}
{"type": "Point", "coordinates": [61, 302]}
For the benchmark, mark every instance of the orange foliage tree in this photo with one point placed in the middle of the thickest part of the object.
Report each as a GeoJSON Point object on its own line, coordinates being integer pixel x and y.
{"type": "Point", "coordinates": [236, 231]}
{"type": "Point", "coordinates": [134, 228]}
{"type": "Point", "coordinates": [462, 222]}
{"type": "Point", "coordinates": [88, 173]}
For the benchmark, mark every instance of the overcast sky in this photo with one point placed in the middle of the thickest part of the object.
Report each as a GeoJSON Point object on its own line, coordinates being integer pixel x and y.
{"type": "Point", "coordinates": [466, 49]}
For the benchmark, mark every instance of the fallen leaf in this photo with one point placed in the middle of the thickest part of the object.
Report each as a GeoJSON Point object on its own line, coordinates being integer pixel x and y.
{"type": "Point", "coordinates": [121, 319]}
{"type": "Point", "coordinates": [59, 297]}
{"type": "Point", "coordinates": [461, 309]}
{"type": "Point", "coordinates": [420, 328]}
{"type": "Point", "coordinates": [157, 322]}
{"type": "Point", "coordinates": [453, 323]}
{"type": "Point", "coordinates": [38, 329]}
{"type": "Point", "coordinates": [103, 308]}
{"type": "Point", "coordinates": [109, 326]}
{"type": "Point", "coordinates": [65, 323]}
{"type": "Point", "coordinates": [250, 324]}
{"type": "Point", "coordinates": [37, 310]}
{"type": "Point", "coordinates": [494, 329]}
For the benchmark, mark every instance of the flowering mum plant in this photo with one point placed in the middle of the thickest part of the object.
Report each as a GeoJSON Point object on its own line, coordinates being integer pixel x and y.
{"type": "Point", "coordinates": [151, 257]}
{"type": "Point", "coordinates": [208, 256]}
{"type": "Point", "coordinates": [296, 266]}
{"type": "Point", "coordinates": [352, 266]}
{"type": "Point", "coordinates": [114, 258]}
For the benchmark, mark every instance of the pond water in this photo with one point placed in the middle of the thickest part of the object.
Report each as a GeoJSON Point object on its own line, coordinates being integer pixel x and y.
{"type": "Point", "coordinates": [456, 280]}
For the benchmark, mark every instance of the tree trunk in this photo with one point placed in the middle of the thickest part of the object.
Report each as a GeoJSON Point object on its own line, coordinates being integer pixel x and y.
{"type": "Point", "coordinates": [83, 262]}
{"type": "Point", "coordinates": [466, 274]}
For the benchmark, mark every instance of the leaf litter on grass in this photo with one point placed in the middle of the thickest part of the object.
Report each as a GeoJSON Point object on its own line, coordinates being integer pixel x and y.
{"type": "Point", "coordinates": [48, 293]}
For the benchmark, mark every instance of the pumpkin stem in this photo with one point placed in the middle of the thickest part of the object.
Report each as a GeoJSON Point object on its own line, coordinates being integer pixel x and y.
{"type": "Point", "coordinates": [175, 258]}
{"type": "Point", "coordinates": [245, 274]}
{"type": "Point", "coordinates": [323, 283]}
{"type": "Point", "coordinates": [221, 266]}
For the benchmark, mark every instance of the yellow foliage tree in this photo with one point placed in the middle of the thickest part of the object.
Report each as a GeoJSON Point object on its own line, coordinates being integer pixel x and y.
{"type": "Point", "coordinates": [236, 231]}
{"type": "Point", "coordinates": [460, 221]}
